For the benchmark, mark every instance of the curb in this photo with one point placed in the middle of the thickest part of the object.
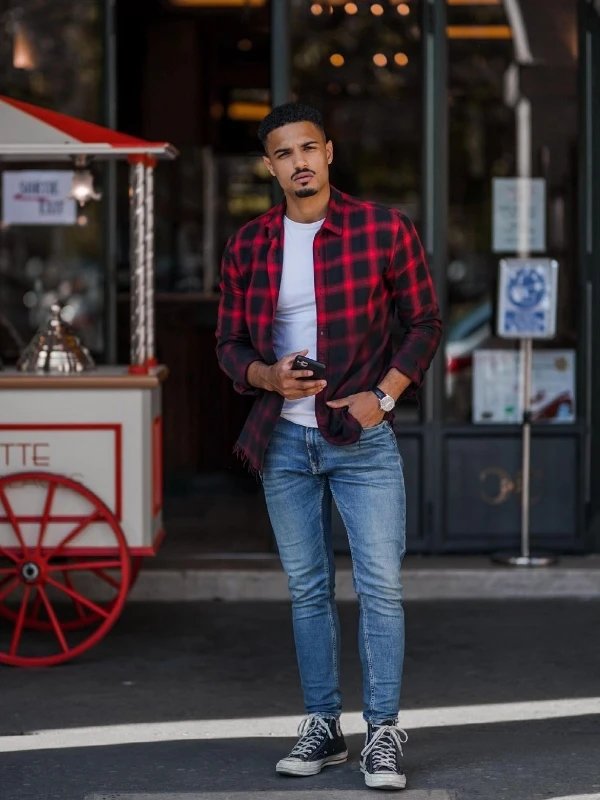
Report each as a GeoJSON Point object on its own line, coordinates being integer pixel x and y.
{"type": "Point", "coordinates": [248, 584]}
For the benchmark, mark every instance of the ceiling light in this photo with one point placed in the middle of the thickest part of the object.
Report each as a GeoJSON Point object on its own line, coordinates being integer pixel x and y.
{"type": "Point", "coordinates": [316, 9]}
{"type": "Point", "coordinates": [351, 8]}
{"type": "Point", "coordinates": [377, 9]}
{"type": "Point", "coordinates": [403, 9]}
{"type": "Point", "coordinates": [401, 59]}
{"type": "Point", "coordinates": [478, 32]}
{"type": "Point", "coordinates": [337, 59]}
{"type": "Point", "coordinates": [380, 60]}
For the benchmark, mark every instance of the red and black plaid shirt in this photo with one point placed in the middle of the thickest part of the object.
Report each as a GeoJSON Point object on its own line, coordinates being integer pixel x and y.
{"type": "Point", "coordinates": [368, 263]}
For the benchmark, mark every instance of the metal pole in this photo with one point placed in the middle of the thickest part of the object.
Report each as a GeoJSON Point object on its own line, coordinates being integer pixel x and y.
{"type": "Point", "coordinates": [526, 357]}
{"type": "Point", "coordinates": [149, 264]}
{"type": "Point", "coordinates": [523, 139]}
{"type": "Point", "coordinates": [110, 195]}
{"type": "Point", "coordinates": [137, 249]}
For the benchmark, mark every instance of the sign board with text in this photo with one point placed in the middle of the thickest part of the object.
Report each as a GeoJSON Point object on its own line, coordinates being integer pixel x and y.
{"type": "Point", "coordinates": [527, 297]}
{"type": "Point", "coordinates": [37, 197]}
{"type": "Point", "coordinates": [519, 215]}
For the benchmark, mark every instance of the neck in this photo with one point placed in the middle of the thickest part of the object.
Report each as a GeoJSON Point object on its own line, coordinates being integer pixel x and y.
{"type": "Point", "coordinates": [308, 209]}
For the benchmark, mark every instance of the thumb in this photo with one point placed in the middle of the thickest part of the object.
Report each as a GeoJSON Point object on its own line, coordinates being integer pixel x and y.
{"type": "Point", "coordinates": [341, 403]}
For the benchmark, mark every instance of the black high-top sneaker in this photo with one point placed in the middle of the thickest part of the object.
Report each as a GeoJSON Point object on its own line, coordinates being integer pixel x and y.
{"type": "Point", "coordinates": [321, 744]}
{"type": "Point", "coordinates": [380, 757]}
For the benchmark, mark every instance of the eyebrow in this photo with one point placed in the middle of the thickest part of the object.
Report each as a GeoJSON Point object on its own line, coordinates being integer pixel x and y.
{"type": "Point", "coordinates": [287, 149]}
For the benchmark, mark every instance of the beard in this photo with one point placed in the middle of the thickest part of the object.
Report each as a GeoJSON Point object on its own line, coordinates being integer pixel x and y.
{"type": "Point", "coordinates": [306, 191]}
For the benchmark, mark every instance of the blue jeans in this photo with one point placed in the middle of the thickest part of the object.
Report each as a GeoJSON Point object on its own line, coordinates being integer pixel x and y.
{"type": "Point", "coordinates": [301, 473]}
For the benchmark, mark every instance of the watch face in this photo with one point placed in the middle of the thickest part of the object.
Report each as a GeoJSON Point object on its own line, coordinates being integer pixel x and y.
{"type": "Point", "coordinates": [387, 404]}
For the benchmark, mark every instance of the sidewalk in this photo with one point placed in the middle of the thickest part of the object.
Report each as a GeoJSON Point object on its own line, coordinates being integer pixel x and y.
{"type": "Point", "coordinates": [186, 701]}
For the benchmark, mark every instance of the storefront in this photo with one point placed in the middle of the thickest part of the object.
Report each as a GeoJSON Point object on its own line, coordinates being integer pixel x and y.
{"type": "Point", "coordinates": [433, 107]}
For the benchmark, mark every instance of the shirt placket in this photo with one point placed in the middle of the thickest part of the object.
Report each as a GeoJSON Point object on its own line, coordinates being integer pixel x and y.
{"type": "Point", "coordinates": [320, 290]}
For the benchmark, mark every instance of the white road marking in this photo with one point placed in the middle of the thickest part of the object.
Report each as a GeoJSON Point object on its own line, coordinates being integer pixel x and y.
{"type": "Point", "coordinates": [255, 727]}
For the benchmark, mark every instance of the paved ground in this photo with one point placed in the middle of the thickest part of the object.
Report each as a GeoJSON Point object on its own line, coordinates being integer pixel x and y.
{"type": "Point", "coordinates": [196, 700]}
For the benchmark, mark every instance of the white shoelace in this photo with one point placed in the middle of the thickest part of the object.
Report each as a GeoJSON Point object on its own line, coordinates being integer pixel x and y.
{"type": "Point", "coordinates": [387, 738]}
{"type": "Point", "coordinates": [310, 731]}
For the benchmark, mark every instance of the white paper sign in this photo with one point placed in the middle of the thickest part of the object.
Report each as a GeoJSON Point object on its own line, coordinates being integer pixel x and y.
{"type": "Point", "coordinates": [519, 215]}
{"type": "Point", "coordinates": [37, 197]}
{"type": "Point", "coordinates": [497, 394]}
{"type": "Point", "coordinates": [527, 295]}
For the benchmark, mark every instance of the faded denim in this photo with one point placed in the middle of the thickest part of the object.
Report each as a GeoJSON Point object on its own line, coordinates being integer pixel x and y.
{"type": "Point", "coordinates": [301, 473]}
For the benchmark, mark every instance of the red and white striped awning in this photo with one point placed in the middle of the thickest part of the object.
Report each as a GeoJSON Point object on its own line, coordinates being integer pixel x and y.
{"type": "Point", "coordinates": [28, 131]}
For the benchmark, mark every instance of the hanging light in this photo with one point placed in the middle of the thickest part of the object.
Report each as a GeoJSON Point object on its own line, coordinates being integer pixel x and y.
{"type": "Point", "coordinates": [24, 55]}
{"type": "Point", "coordinates": [82, 185]}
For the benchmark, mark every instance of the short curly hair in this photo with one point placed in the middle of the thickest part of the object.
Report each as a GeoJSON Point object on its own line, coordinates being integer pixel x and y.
{"type": "Point", "coordinates": [286, 114]}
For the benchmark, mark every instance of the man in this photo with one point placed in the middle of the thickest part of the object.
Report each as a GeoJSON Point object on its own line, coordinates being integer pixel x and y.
{"type": "Point", "coordinates": [321, 275]}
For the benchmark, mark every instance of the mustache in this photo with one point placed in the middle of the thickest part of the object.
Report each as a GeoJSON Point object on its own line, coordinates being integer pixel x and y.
{"type": "Point", "coordinates": [301, 171]}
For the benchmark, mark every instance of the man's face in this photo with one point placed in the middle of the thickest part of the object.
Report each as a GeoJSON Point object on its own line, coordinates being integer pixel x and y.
{"type": "Point", "coordinates": [299, 157]}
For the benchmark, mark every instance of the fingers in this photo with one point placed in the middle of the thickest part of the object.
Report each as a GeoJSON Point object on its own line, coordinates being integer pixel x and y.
{"type": "Point", "coordinates": [341, 403]}
{"type": "Point", "coordinates": [300, 389]}
{"type": "Point", "coordinates": [288, 360]}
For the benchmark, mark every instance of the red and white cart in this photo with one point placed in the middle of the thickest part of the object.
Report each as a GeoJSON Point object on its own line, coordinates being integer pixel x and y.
{"type": "Point", "coordinates": [80, 454]}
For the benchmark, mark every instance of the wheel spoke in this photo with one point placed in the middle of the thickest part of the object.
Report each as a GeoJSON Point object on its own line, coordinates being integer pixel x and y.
{"type": "Point", "coordinates": [76, 603]}
{"type": "Point", "coordinates": [6, 571]}
{"type": "Point", "coordinates": [13, 520]}
{"type": "Point", "coordinates": [83, 565]}
{"type": "Point", "coordinates": [16, 637]}
{"type": "Point", "coordinates": [46, 515]}
{"type": "Point", "coordinates": [35, 607]}
{"type": "Point", "coordinates": [76, 531]}
{"type": "Point", "coordinates": [10, 556]}
{"type": "Point", "coordinates": [53, 620]}
{"type": "Point", "coordinates": [108, 578]}
{"type": "Point", "coordinates": [77, 596]}
{"type": "Point", "coordinates": [8, 589]}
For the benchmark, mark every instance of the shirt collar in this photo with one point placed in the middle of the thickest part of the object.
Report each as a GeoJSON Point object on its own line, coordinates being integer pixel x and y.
{"type": "Point", "coordinates": [333, 219]}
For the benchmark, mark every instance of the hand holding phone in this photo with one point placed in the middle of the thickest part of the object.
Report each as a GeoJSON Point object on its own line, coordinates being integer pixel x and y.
{"type": "Point", "coordinates": [305, 363]}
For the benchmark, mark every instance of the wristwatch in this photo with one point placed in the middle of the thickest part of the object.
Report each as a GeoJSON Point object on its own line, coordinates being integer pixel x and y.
{"type": "Point", "coordinates": [386, 403]}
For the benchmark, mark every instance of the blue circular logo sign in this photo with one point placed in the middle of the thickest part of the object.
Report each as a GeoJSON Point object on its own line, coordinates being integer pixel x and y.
{"type": "Point", "coordinates": [526, 288]}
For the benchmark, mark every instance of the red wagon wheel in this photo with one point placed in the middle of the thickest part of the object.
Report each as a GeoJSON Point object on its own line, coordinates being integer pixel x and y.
{"type": "Point", "coordinates": [59, 599]}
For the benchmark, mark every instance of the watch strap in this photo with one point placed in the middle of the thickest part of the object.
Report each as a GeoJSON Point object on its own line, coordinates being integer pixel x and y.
{"type": "Point", "coordinates": [378, 393]}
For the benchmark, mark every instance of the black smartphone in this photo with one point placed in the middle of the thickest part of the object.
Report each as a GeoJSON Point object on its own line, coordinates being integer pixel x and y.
{"type": "Point", "coordinates": [304, 362]}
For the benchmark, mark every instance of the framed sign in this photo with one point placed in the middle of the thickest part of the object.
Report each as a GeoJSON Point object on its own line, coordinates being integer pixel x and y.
{"type": "Point", "coordinates": [37, 197]}
{"type": "Point", "coordinates": [519, 215]}
{"type": "Point", "coordinates": [497, 392]}
{"type": "Point", "coordinates": [527, 294]}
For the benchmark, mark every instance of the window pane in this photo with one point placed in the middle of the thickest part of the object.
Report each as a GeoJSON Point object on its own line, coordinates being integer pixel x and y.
{"type": "Point", "coordinates": [53, 57]}
{"type": "Point", "coordinates": [486, 85]}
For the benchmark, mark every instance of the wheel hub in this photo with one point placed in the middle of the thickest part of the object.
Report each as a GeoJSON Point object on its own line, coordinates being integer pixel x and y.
{"type": "Point", "coordinates": [30, 572]}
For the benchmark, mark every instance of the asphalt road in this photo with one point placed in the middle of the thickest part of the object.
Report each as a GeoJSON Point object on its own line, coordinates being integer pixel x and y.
{"type": "Point", "coordinates": [187, 701]}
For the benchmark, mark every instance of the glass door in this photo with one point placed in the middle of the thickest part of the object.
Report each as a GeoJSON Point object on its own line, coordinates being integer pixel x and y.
{"type": "Point", "coordinates": [513, 122]}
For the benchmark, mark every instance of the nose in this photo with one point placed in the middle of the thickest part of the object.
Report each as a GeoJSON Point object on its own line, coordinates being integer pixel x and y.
{"type": "Point", "coordinates": [300, 161]}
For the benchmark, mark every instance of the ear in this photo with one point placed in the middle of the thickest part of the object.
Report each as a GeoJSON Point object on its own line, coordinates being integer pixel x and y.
{"type": "Point", "coordinates": [267, 163]}
{"type": "Point", "coordinates": [329, 151]}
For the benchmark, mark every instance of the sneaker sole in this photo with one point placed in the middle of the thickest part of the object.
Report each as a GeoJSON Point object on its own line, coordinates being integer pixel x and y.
{"type": "Point", "coordinates": [384, 781]}
{"type": "Point", "coordinates": [303, 769]}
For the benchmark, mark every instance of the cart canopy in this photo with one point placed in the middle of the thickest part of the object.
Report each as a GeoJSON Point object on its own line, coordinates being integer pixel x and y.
{"type": "Point", "coordinates": [31, 132]}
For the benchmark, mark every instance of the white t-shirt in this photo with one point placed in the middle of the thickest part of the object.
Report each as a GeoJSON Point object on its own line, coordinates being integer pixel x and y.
{"type": "Point", "coordinates": [295, 325]}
